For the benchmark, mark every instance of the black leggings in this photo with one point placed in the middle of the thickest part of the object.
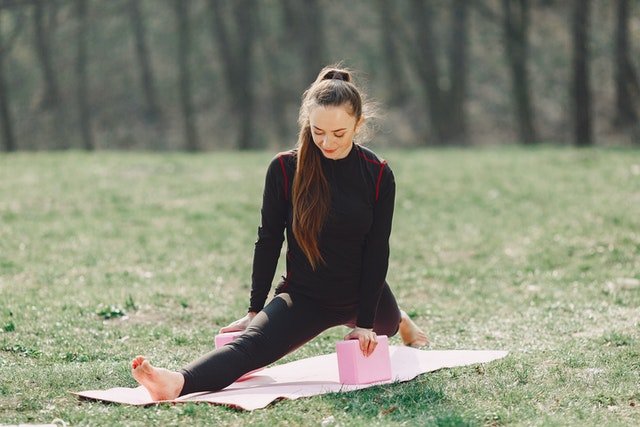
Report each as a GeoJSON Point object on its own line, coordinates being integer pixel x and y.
{"type": "Point", "coordinates": [287, 322]}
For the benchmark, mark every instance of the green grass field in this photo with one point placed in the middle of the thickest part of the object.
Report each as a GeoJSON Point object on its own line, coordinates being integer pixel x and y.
{"type": "Point", "coordinates": [104, 256]}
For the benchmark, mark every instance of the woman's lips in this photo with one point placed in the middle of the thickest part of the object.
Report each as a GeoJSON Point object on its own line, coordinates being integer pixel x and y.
{"type": "Point", "coordinates": [329, 151]}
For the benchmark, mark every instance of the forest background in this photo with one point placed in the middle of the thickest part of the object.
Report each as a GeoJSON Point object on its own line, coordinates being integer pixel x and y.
{"type": "Point", "coordinates": [119, 241]}
{"type": "Point", "coordinates": [209, 74]}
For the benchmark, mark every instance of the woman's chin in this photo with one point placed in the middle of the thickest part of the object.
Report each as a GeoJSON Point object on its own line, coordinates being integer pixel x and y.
{"type": "Point", "coordinates": [335, 154]}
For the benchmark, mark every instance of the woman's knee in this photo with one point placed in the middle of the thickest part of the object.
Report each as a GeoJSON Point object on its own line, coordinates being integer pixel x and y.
{"type": "Point", "coordinates": [388, 327]}
{"type": "Point", "coordinates": [388, 316]}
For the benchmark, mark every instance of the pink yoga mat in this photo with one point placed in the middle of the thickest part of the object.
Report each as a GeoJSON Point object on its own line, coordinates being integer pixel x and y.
{"type": "Point", "coordinates": [306, 377]}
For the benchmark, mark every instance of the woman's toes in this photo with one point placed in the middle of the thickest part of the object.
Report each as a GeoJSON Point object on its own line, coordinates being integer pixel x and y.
{"type": "Point", "coordinates": [137, 362]}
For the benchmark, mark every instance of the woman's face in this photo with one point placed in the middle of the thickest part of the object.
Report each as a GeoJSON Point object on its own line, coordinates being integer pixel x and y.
{"type": "Point", "coordinates": [333, 129]}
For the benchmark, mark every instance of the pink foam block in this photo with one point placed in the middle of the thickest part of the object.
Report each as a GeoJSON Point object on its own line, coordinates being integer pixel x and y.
{"type": "Point", "coordinates": [355, 368]}
{"type": "Point", "coordinates": [226, 337]}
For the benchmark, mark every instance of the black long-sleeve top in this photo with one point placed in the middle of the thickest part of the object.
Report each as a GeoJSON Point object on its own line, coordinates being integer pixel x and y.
{"type": "Point", "coordinates": [354, 240]}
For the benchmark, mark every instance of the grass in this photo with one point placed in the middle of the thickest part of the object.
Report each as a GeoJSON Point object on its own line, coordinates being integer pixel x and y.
{"type": "Point", "coordinates": [107, 255]}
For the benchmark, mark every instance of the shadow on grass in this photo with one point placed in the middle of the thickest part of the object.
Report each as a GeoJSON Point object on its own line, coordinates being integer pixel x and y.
{"type": "Point", "coordinates": [413, 401]}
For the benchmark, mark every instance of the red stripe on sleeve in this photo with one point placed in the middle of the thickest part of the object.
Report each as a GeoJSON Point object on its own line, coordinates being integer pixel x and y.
{"type": "Point", "coordinates": [286, 179]}
{"type": "Point", "coordinates": [379, 179]}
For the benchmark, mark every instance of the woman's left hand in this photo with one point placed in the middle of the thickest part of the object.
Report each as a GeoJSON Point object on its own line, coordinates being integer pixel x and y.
{"type": "Point", "coordinates": [366, 337]}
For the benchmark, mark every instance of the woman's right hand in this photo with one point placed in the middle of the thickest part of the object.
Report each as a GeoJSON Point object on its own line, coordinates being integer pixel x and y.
{"type": "Point", "coordinates": [240, 324]}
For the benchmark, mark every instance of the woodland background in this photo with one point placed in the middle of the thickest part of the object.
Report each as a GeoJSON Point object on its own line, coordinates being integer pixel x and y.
{"type": "Point", "coordinates": [214, 74]}
{"type": "Point", "coordinates": [119, 241]}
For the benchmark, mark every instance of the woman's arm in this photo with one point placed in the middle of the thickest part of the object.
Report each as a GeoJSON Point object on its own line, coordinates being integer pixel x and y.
{"type": "Point", "coordinates": [375, 259]}
{"type": "Point", "coordinates": [270, 235]}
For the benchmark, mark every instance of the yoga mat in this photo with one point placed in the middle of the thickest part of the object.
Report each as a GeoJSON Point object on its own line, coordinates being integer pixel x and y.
{"type": "Point", "coordinates": [306, 377]}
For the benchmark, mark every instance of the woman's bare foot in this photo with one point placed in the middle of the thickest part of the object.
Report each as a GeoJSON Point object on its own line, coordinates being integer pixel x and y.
{"type": "Point", "coordinates": [161, 384]}
{"type": "Point", "coordinates": [411, 334]}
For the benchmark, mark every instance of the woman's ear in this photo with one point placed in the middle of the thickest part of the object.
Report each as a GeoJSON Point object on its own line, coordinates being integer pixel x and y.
{"type": "Point", "coordinates": [359, 124]}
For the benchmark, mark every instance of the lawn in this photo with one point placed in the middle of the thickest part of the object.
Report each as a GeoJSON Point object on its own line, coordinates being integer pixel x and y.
{"type": "Point", "coordinates": [104, 256]}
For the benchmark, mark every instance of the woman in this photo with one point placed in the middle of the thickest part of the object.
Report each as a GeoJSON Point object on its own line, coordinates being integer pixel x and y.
{"type": "Point", "coordinates": [334, 199]}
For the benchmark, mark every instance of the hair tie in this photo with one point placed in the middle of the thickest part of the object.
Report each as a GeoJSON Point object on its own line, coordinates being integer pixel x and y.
{"type": "Point", "coordinates": [337, 75]}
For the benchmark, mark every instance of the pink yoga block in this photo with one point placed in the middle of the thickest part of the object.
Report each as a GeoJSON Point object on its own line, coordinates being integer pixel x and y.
{"type": "Point", "coordinates": [226, 338]}
{"type": "Point", "coordinates": [355, 368]}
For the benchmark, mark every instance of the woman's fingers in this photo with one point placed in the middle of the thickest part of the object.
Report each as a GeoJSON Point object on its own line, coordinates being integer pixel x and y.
{"type": "Point", "coordinates": [363, 344]}
{"type": "Point", "coordinates": [368, 343]}
{"type": "Point", "coordinates": [238, 325]}
{"type": "Point", "coordinates": [366, 340]}
{"type": "Point", "coordinates": [372, 346]}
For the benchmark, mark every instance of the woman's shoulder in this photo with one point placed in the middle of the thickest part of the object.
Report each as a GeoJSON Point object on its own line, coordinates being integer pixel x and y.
{"type": "Point", "coordinates": [370, 158]}
{"type": "Point", "coordinates": [284, 161]}
{"type": "Point", "coordinates": [380, 173]}
{"type": "Point", "coordinates": [287, 155]}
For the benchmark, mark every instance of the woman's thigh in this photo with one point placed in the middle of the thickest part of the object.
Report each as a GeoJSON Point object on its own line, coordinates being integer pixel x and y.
{"type": "Point", "coordinates": [286, 323]}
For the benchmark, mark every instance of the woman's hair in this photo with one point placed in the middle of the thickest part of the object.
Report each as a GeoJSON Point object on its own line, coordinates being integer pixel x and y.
{"type": "Point", "coordinates": [311, 196]}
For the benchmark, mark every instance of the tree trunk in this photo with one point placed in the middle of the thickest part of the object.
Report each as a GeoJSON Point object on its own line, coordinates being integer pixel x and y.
{"type": "Point", "coordinates": [581, 92]}
{"type": "Point", "coordinates": [445, 102]}
{"type": "Point", "coordinates": [304, 20]}
{"type": "Point", "coordinates": [456, 123]}
{"type": "Point", "coordinates": [184, 45]}
{"type": "Point", "coordinates": [45, 23]}
{"type": "Point", "coordinates": [147, 79]}
{"type": "Point", "coordinates": [312, 37]}
{"type": "Point", "coordinates": [236, 54]}
{"type": "Point", "coordinates": [6, 119]}
{"type": "Point", "coordinates": [516, 39]}
{"type": "Point", "coordinates": [51, 97]}
{"type": "Point", "coordinates": [427, 66]}
{"type": "Point", "coordinates": [244, 92]}
{"type": "Point", "coordinates": [274, 39]}
{"type": "Point", "coordinates": [396, 82]}
{"type": "Point", "coordinates": [626, 80]}
{"type": "Point", "coordinates": [82, 78]}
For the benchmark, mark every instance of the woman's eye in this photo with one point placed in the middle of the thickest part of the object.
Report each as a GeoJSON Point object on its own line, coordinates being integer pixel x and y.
{"type": "Point", "coordinates": [317, 133]}
{"type": "Point", "coordinates": [340, 136]}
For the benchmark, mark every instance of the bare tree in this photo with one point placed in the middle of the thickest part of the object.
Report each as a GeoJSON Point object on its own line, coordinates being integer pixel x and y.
{"type": "Point", "coordinates": [43, 41]}
{"type": "Point", "coordinates": [580, 88]}
{"type": "Point", "coordinates": [235, 39]}
{"type": "Point", "coordinates": [427, 66]}
{"type": "Point", "coordinates": [82, 94]}
{"type": "Point", "coordinates": [184, 47]}
{"type": "Point", "coordinates": [147, 77]}
{"type": "Point", "coordinates": [458, 71]}
{"type": "Point", "coordinates": [6, 117]}
{"type": "Point", "coordinates": [626, 79]}
{"type": "Point", "coordinates": [389, 22]}
{"type": "Point", "coordinates": [516, 21]}
{"type": "Point", "coordinates": [445, 103]}
{"type": "Point", "coordinates": [276, 37]}
{"type": "Point", "coordinates": [311, 35]}
{"type": "Point", "coordinates": [45, 24]}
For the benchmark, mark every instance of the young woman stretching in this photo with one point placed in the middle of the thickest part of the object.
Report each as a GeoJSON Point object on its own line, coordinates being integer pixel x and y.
{"type": "Point", "coordinates": [334, 198]}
